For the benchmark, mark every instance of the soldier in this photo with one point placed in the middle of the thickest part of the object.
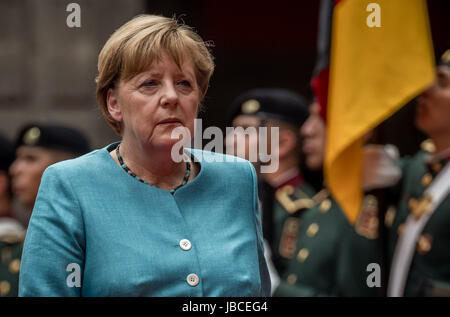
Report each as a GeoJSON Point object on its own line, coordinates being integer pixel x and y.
{"type": "Point", "coordinates": [8, 223]}
{"type": "Point", "coordinates": [11, 231]}
{"type": "Point", "coordinates": [283, 193]}
{"type": "Point", "coordinates": [330, 256]}
{"type": "Point", "coordinates": [419, 241]}
{"type": "Point", "coordinates": [37, 147]}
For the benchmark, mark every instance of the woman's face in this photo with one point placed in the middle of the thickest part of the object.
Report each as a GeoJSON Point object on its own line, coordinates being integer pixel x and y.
{"type": "Point", "coordinates": [156, 101]}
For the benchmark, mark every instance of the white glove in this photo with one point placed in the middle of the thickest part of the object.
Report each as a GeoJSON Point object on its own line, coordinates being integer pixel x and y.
{"type": "Point", "coordinates": [274, 277]}
{"type": "Point", "coordinates": [379, 169]}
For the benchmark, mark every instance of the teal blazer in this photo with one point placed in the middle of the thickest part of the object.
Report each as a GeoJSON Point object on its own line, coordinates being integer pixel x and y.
{"type": "Point", "coordinates": [123, 238]}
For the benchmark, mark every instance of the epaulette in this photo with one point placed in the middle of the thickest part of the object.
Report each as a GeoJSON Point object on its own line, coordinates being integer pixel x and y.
{"type": "Point", "coordinates": [293, 200]}
{"type": "Point", "coordinates": [320, 196]}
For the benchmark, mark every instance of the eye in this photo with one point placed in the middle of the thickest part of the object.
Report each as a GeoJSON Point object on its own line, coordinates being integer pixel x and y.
{"type": "Point", "coordinates": [149, 83]}
{"type": "Point", "coordinates": [29, 158]}
{"type": "Point", "coordinates": [184, 83]}
{"type": "Point", "coordinates": [443, 83]}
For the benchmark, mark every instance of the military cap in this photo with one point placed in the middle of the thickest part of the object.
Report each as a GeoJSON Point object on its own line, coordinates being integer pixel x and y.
{"type": "Point", "coordinates": [273, 103]}
{"type": "Point", "coordinates": [6, 153]}
{"type": "Point", "coordinates": [445, 58]}
{"type": "Point", "coordinates": [54, 137]}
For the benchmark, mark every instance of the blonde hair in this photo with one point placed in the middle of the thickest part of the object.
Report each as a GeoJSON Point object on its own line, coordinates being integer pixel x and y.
{"type": "Point", "coordinates": [135, 45]}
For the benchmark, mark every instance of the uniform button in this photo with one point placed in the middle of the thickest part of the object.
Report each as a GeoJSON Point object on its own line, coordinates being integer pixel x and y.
{"type": "Point", "coordinates": [325, 205]}
{"type": "Point", "coordinates": [185, 244]}
{"type": "Point", "coordinates": [291, 279]}
{"type": "Point", "coordinates": [389, 217]}
{"type": "Point", "coordinates": [424, 244]}
{"type": "Point", "coordinates": [426, 179]}
{"type": "Point", "coordinates": [302, 255]}
{"type": "Point", "coordinates": [14, 266]}
{"type": "Point", "coordinates": [5, 287]}
{"type": "Point", "coordinates": [192, 279]}
{"type": "Point", "coordinates": [436, 167]}
{"type": "Point", "coordinates": [312, 229]}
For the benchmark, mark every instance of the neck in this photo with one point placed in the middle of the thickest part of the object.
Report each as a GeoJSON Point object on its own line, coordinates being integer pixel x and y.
{"type": "Point", "coordinates": [441, 141]}
{"type": "Point", "coordinates": [285, 165]}
{"type": "Point", "coordinates": [152, 164]}
{"type": "Point", "coordinates": [5, 205]}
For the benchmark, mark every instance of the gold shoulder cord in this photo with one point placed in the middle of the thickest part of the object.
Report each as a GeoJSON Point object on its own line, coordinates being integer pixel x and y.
{"type": "Point", "coordinates": [292, 206]}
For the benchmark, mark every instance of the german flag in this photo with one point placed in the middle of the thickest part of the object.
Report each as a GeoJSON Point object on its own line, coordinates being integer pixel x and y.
{"type": "Point", "coordinates": [381, 56]}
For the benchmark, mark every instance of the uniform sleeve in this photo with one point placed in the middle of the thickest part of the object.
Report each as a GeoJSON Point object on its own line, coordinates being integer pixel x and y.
{"type": "Point", "coordinates": [263, 270]}
{"type": "Point", "coordinates": [53, 255]}
{"type": "Point", "coordinates": [356, 253]}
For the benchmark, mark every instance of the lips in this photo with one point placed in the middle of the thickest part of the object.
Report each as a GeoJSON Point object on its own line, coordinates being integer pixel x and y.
{"type": "Point", "coordinates": [17, 188]}
{"type": "Point", "coordinates": [308, 148]}
{"type": "Point", "coordinates": [170, 121]}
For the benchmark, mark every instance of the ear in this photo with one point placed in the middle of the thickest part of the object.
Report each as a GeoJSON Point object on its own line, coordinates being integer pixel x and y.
{"type": "Point", "coordinates": [287, 142]}
{"type": "Point", "coordinates": [112, 103]}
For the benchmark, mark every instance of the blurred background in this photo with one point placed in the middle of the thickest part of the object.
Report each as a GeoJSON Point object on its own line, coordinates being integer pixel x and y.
{"type": "Point", "coordinates": [47, 70]}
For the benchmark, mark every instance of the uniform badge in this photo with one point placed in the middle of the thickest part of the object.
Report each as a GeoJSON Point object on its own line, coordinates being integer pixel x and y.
{"type": "Point", "coordinates": [289, 237]}
{"type": "Point", "coordinates": [428, 146]}
{"type": "Point", "coordinates": [250, 106]}
{"type": "Point", "coordinates": [418, 207]}
{"type": "Point", "coordinates": [31, 137]}
{"type": "Point", "coordinates": [367, 224]}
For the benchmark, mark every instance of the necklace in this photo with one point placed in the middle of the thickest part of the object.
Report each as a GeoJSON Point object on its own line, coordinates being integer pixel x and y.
{"type": "Point", "coordinates": [130, 172]}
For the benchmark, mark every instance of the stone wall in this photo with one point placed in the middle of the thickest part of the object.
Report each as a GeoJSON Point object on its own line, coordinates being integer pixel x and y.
{"type": "Point", "coordinates": [47, 70]}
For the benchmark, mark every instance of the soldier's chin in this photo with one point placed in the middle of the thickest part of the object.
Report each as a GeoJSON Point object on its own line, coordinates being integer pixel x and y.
{"type": "Point", "coordinates": [314, 163]}
{"type": "Point", "coordinates": [26, 201]}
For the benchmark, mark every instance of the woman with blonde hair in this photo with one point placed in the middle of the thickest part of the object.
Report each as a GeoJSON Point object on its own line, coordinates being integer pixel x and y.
{"type": "Point", "coordinates": [129, 219]}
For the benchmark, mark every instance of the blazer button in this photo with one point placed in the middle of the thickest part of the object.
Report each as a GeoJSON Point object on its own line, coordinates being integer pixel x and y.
{"type": "Point", "coordinates": [192, 279]}
{"type": "Point", "coordinates": [185, 244]}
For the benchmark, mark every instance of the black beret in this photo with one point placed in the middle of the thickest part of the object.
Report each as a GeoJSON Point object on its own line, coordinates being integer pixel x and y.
{"type": "Point", "coordinates": [54, 137]}
{"type": "Point", "coordinates": [273, 103]}
{"type": "Point", "coordinates": [6, 153]}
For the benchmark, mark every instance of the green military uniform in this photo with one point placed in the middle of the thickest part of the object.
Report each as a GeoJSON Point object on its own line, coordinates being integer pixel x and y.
{"type": "Point", "coordinates": [429, 272]}
{"type": "Point", "coordinates": [288, 206]}
{"type": "Point", "coordinates": [311, 270]}
{"type": "Point", "coordinates": [329, 256]}
{"type": "Point", "coordinates": [10, 254]}
{"type": "Point", "coordinates": [283, 109]}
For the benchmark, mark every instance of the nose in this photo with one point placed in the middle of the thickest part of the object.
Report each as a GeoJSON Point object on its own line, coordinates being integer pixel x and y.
{"type": "Point", "coordinates": [307, 127]}
{"type": "Point", "coordinates": [13, 168]}
{"type": "Point", "coordinates": [169, 95]}
{"type": "Point", "coordinates": [229, 140]}
{"type": "Point", "coordinates": [16, 168]}
{"type": "Point", "coordinates": [421, 99]}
